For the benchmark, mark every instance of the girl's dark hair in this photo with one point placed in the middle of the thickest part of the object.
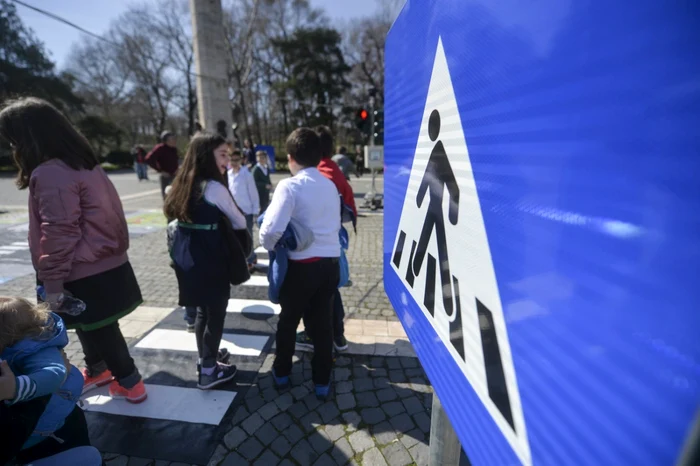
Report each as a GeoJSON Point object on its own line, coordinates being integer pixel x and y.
{"type": "Point", "coordinates": [38, 132]}
{"type": "Point", "coordinates": [199, 165]}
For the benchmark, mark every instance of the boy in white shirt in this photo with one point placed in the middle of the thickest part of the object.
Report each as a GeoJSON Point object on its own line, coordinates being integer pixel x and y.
{"type": "Point", "coordinates": [245, 193]}
{"type": "Point", "coordinates": [313, 274]}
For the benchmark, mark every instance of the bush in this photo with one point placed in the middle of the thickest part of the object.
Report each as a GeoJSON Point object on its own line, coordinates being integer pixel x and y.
{"type": "Point", "coordinates": [120, 158]}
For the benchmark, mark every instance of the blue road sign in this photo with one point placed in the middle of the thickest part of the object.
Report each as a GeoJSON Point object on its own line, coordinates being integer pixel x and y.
{"type": "Point", "coordinates": [541, 222]}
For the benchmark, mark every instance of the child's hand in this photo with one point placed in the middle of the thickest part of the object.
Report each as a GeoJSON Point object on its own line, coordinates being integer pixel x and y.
{"type": "Point", "coordinates": [8, 385]}
{"type": "Point", "coordinates": [54, 300]}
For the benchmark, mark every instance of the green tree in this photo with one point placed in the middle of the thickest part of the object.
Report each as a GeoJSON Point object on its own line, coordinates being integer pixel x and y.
{"type": "Point", "coordinates": [317, 73]}
{"type": "Point", "coordinates": [25, 69]}
{"type": "Point", "coordinates": [100, 132]}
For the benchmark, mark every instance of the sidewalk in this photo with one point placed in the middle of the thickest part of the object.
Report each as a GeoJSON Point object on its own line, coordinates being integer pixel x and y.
{"type": "Point", "coordinates": [379, 413]}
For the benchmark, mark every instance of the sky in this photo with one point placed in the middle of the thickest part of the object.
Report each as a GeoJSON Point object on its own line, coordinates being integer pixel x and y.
{"type": "Point", "coordinates": [96, 15]}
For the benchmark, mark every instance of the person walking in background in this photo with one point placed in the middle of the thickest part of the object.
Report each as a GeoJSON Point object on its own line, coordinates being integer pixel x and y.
{"type": "Point", "coordinates": [344, 162]}
{"type": "Point", "coordinates": [78, 238]}
{"type": "Point", "coordinates": [163, 158]}
{"type": "Point", "coordinates": [313, 274]}
{"type": "Point", "coordinates": [359, 160]}
{"type": "Point", "coordinates": [245, 193]}
{"type": "Point", "coordinates": [248, 153]}
{"type": "Point", "coordinates": [198, 200]}
{"type": "Point", "coordinates": [140, 164]}
{"type": "Point", "coordinates": [261, 175]}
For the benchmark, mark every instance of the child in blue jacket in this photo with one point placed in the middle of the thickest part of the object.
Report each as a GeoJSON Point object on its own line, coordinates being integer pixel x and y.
{"type": "Point", "coordinates": [31, 340]}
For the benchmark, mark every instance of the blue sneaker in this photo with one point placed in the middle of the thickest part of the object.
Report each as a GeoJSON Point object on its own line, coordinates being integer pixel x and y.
{"type": "Point", "coordinates": [322, 391]}
{"type": "Point", "coordinates": [281, 382]}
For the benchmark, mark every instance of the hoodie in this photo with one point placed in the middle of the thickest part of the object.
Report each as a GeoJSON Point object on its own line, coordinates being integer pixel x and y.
{"type": "Point", "coordinates": [42, 372]}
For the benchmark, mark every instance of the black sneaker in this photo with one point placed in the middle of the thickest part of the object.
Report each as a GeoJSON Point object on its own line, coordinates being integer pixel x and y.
{"type": "Point", "coordinates": [303, 340]}
{"type": "Point", "coordinates": [190, 328]}
{"type": "Point", "coordinates": [222, 374]}
{"type": "Point", "coordinates": [340, 343]}
{"type": "Point", "coordinates": [222, 356]}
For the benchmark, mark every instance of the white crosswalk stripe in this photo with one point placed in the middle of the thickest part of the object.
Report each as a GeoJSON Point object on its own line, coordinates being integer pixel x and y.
{"type": "Point", "coordinates": [256, 280]}
{"type": "Point", "coordinates": [252, 306]}
{"type": "Point", "coordinates": [164, 402]}
{"type": "Point", "coordinates": [180, 340]}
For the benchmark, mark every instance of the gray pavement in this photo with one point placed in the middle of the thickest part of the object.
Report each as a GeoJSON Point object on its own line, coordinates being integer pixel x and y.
{"type": "Point", "coordinates": [380, 410]}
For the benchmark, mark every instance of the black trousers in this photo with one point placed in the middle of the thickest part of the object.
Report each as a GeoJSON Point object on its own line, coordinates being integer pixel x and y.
{"type": "Point", "coordinates": [105, 348]}
{"type": "Point", "coordinates": [338, 316]}
{"type": "Point", "coordinates": [165, 181]}
{"type": "Point", "coordinates": [208, 328]}
{"type": "Point", "coordinates": [73, 433]}
{"type": "Point", "coordinates": [308, 290]}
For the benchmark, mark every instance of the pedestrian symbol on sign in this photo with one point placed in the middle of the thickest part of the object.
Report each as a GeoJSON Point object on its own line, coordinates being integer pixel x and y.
{"type": "Point", "coordinates": [447, 230]}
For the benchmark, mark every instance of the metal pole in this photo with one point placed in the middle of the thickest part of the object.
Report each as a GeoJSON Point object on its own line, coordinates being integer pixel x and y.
{"type": "Point", "coordinates": [445, 448]}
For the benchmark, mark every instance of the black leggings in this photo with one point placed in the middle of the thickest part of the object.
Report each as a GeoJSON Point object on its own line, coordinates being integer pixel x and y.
{"type": "Point", "coordinates": [106, 347]}
{"type": "Point", "coordinates": [208, 328]}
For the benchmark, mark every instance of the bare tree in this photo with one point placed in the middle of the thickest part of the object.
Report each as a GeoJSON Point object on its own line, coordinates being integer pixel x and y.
{"type": "Point", "coordinates": [170, 23]}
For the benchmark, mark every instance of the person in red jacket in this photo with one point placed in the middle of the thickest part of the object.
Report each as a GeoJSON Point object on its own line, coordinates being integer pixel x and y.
{"type": "Point", "coordinates": [163, 158]}
{"type": "Point", "coordinates": [330, 170]}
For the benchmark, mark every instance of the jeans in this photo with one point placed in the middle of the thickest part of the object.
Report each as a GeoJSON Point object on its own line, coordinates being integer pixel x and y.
{"type": "Point", "coordinates": [141, 171]}
{"type": "Point", "coordinates": [165, 181]}
{"type": "Point", "coordinates": [308, 290]}
{"type": "Point", "coordinates": [190, 314]}
{"type": "Point", "coordinates": [105, 348]}
{"type": "Point", "coordinates": [83, 456]}
{"type": "Point", "coordinates": [249, 225]}
{"type": "Point", "coordinates": [208, 328]}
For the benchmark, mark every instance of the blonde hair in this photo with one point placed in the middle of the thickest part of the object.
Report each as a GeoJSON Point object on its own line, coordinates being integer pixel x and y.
{"type": "Point", "coordinates": [20, 319]}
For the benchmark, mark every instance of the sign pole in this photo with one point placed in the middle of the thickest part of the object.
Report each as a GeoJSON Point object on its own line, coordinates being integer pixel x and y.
{"type": "Point", "coordinates": [445, 448]}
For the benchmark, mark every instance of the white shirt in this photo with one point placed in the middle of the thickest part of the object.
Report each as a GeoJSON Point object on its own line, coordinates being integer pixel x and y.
{"type": "Point", "coordinates": [243, 190]}
{"type": "Point", "coordinates": [217, 195]}
{"type": "Point", "coordinates": [311, 199]}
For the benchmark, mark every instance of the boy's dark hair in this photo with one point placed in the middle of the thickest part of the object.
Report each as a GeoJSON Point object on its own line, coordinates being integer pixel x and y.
{"type": "Point", "coordinates": [303, 146]}
{"type": "Point", "coordinates": [199, 165]}
{"type": "Point", "coordinates": [38, 132]}
{"type": "Point", "coordinates": [326, 141]}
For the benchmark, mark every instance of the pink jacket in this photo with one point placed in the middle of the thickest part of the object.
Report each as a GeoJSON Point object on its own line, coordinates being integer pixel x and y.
{"type": "Point", "coordinates": [76, 224]}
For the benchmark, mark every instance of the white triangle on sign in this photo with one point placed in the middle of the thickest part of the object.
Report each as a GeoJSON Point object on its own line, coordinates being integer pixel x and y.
{"type": "Point", "coordinates": [442, 256]}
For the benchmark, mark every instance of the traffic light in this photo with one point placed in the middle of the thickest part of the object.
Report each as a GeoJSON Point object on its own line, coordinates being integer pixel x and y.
{"type": "Point", "coordinates": [362, 119]}
{"type": "Point", "coordinates": [378, 130]}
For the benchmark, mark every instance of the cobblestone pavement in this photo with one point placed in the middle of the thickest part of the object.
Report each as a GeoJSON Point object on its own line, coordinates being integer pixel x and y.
{"type": "Point", "coordinates": [378, 414]}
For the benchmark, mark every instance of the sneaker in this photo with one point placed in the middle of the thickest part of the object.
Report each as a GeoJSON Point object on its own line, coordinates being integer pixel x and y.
{"type": "Point", "coordinates": [303, 340]}
{"type": "Point", "coordinates": [135, 394]}
{"type": "Point", "coordinates": [190, 328]}
{"type": "Point", "coordinates": [323, 391]}
{"type": "Point", "coordinates": [340, 343]}
{"type": "Point", "coordinates": [98, 380]}
{"type": "Point", "coordinates": [348, 284]}
{"type": "Point", "coordinates": [280, 382]}
{"type": "Point", "coordinates": [222, 356]}
{"type": "Point", "coordinates": [222, 374]}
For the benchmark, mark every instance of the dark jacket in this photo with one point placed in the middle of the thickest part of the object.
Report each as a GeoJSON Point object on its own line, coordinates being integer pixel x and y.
{"type": "Point", "coordinates": [163, 158]}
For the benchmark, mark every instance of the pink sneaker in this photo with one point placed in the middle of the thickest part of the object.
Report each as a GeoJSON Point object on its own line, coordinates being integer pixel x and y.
{"type": "Point", "coordinates": [135, 394]}
{"type": "Point", "coordinates": [99, 380]}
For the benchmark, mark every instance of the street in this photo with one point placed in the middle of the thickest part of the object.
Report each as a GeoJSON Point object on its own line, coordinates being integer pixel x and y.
{"type": "Point", "coordinates": [379, 413]}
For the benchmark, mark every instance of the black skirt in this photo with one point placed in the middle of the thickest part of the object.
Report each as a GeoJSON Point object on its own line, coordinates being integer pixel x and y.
{"type": "Point", "coordinates": [108, 296]}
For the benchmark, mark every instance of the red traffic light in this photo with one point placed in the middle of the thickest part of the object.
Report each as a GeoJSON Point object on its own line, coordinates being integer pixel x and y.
{"type": "Point", "coordinates": [363, 114]}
